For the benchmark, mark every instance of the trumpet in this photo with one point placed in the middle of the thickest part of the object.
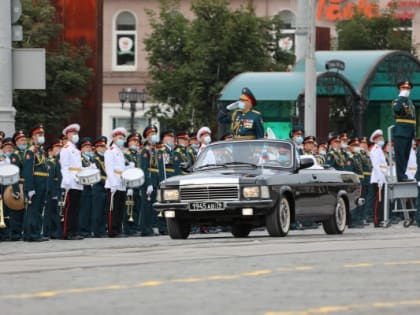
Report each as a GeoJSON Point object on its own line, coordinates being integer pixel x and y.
{"type": "Point", "coordinates": [62, 204]}
{"type": "Point", "coordinates": [2, 223]}
{"type": "Point", "coordinates": [129, 202]}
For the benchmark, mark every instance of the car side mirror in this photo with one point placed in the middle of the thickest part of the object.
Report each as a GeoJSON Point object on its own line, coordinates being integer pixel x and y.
{"type": "Point", "coordinates": [306, 162]}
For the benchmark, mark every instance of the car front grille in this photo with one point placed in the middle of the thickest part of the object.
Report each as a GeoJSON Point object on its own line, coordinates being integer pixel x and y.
{"type": "Point", "coordinates": [210, 193]}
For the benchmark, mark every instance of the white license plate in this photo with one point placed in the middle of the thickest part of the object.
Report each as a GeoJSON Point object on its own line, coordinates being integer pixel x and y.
{"type": "Point", "coordinates": [206, 205]}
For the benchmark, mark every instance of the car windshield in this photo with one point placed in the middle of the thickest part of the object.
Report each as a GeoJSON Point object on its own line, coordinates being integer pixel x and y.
{"type": "Point", "coordinates": [246, 153]}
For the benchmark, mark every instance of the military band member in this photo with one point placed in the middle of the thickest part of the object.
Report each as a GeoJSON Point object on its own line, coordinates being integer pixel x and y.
{"type": "Point", "coordinates": [52, 218]}
{"type": "Point", "coordinates": [182, 160]}
{"type": "Point", "coordinates": [7, 150]}
{"type": "Point", "coordinates": [334, 157]}
{"type": "Point", "coordinates": [35, 174]}
{"type": "Point", "coordinates": [85, 213]}
{"type": "Point", "coordinates": [132, 159]}
{"type": "Point", "coordinates": [99, 193]}
{"type": "Point", "coordinates": [114, 166]}
{"type": "Point", "coordinates": [368, 192]}
{"type": "Point", "coordinates": [246, 123]}
{"type": "Point", "coordinates": [204, 138]}
{"type": "Point", "coordinates": [148, 217]}
{"type": "Point", "coordinates": [71, 164]}
{"type": "Point", "coordinates": [193, 146]}
{"type": "Point", "coordinates": [165, 155]}
{"type": "Point", "coordinates": [405, 128]}
{"type": "Point", "coordinates": [379, 172]}
{"type": "Point", "coordinates": [412, 163]}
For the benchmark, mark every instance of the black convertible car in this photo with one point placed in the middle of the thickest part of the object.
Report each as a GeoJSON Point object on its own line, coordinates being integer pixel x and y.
{"type": "Point", "coordinates": [254, 183]}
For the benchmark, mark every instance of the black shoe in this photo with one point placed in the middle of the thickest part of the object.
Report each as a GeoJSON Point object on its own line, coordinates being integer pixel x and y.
{"type": "Point", "coordinates": [74, 238]}
{"type": "Point", "coordinates": [404, 180]}
{"type": "Point", "coordinates": [39, 239]}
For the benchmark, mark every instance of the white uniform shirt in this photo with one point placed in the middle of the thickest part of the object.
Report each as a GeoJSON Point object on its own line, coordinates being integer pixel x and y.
{"type": "Point", "coordinates": [379, 165]}
{"type": "Point", "coordinates": [71, 164]}
{"type": "Point", "coordinates": [411, 165]}
{"type": "Point", "coordinates": [114, 166]}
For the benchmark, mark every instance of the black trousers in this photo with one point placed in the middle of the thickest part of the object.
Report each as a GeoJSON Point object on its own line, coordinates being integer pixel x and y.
{"type": "Point", "coordinates": [402, 146]}
{"type": "Point", "coordinates": [378, 210]}
{"type": "Point", "coordinates": [71, 213]}
{"type": "Point", "coordinates": [116, 214]}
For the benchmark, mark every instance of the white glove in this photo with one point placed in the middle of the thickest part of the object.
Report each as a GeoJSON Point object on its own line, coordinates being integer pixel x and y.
{"type": "Point", "coordinates": [404, 93]}
{"type": "Point", "coordinates": [129, 192]}
{"type": "Point", "coordinates": [93, 165]}
{"type": "Point", "coordinates": [113, 189]}
{"type": "Point", "coordinates": [233, 106]}
{"type": "Point", "coordinates": [418, 184]}
{"type": "Point", "coordinates": [54, 198]}
{"type": "Point", "coordinates": [31, 194]}
{"type": "Point", "coordinates": [16, 195]}
{"type": "Point", "coordinates": [130, 165]}
{"type": "Point", "coordinates": [149, 189]}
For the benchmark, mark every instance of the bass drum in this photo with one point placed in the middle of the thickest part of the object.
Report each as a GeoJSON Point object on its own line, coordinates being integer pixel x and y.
{"type": "Point", "coordinates": [9, 174]}
{"type": "Point", "coordinates": [132, 177]}
{"type": "Point", "coordinates": [11, 202]}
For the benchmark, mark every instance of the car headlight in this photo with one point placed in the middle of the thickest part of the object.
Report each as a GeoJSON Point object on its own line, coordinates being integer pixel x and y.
{"type": "Point", "coordinates": [251, 192]}
{"type": "Point", "coordinates": [265, 192]}
{"type": "Point", "coordinates": [170, 194]}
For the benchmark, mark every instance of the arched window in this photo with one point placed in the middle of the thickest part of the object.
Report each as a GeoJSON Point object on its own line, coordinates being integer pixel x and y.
{"type": "Point", "coordinates": [125, 42]}
{"type": "Point", "coordinates": [288, 18]}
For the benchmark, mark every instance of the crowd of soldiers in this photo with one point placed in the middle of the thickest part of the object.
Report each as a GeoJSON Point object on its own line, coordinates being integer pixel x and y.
{"type": "Point", "coordinates": [56, 206]}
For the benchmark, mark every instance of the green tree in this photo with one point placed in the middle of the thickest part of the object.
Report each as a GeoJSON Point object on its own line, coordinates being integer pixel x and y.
{"type": "Point", "coordinates": [191, 61]}
{"type": "Point", "coordinates": [67, 74]}
{"type": "Point", "coordinates": [381, 32]}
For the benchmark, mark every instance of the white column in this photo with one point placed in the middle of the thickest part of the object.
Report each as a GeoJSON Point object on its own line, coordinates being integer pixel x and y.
{"type": "Point", "coordinates": [301, 29]}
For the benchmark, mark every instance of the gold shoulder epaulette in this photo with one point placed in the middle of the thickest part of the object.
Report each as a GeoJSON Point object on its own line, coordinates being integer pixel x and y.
{"type": "Point", "coordinates": [255, 111]}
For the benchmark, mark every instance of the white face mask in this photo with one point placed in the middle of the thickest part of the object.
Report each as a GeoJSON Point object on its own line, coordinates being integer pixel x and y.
{"type": "Point", "coordinates": [207, 139]}
{"type": "Point", "coordinates": [405, 93]}
{"type": "Point", "coordinates": [356, 149]}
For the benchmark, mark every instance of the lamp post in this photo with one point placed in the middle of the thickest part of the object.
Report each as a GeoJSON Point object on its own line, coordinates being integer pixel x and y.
{"type": "Point", "coordinates": [132, 97]}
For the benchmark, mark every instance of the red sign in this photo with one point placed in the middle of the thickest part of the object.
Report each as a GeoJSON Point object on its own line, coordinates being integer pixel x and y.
{"type": "Point", "coordinates": [337, 10]}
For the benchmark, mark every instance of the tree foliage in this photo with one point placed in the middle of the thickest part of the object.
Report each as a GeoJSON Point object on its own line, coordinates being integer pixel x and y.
{"type": "Point", "coordinates": [381, 32]}
{"type": "Point", "coordinates": [67, 74]}
{"type": "Point", "coordinates": [190, 61]}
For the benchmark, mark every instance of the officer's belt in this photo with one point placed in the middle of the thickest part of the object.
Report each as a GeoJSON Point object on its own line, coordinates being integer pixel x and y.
{"type": "Point", "coordinates": [412, 168]}
{"type": "Point", "coordinates": [383, 166]}
{"type": "Point", "coordinates": [406, 121]}
{"type": "Point", "coordinates": [103, 177]}
{"type": "Point", "coordinates": [74, 169]}
{"type": "Point", "coordinates": [366, 173]}
{"type": "Point", "coordinates": [361, 176]}
{"type": "Point", "coordinates": [43, 174]}
{"type": "Point", "coordinates": [244, 137]}
{"type": "Point", "coordinates": [21, 180]}
{"type": "Point", "coordinates": [117, 172]}
{"type": "Point", "coordinates": [153, 170]}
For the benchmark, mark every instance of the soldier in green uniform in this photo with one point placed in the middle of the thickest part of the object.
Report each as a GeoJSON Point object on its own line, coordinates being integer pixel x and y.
{"type": "Point", "coordinates": [246, 123]}
{"type": "Point", "coordinates": [334, 157]}
{"type": "Point", "coordinates": [35, 174]}
{"type": "Point", "coordinates": [193, 147]}
{"type": "Point", "coordinates": [405, 128]}
{"type": "Point", "coordinates": [182, 160]}
{"type": "Point", "coordinates": [52, 220]}
{"type": "Point", "coordinates": [368, 191]}
{"type": "Point", "coordinates": [99, 194]}
{"type": "Point", "coordinates": [148, 217]}
{"type": "Point", "coordinates": [132, 159]}
{"type": "Point", "coordinates": [17, 158]}
{"type": "Point", "coordinates": [85, 213]}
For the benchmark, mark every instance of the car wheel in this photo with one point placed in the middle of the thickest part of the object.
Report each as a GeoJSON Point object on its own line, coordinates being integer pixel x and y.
{"type": "Point", "coordinates": [278, 221]}
{"type": "Point", "coordinates": [178, 229]}
{"type": "Point", "coordinates": [336, 224]}
{"type": "Point", "coordinates": [241, 230]}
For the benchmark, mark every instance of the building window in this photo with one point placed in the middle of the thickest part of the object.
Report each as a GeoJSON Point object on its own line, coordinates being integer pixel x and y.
{"type": "Point", "coordinates": [125, 42]}
{"type": "Point", "coordinates": [287, 37]}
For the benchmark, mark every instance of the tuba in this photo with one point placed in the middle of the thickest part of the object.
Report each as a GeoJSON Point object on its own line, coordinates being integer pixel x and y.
{"type": "Point", "coordinates": [11, 202]}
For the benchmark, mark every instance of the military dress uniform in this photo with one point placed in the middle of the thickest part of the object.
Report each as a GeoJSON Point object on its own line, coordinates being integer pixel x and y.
{"type": "Point", "coordinates": [182, 160]}
{"type": "Point", "coordinates": [335, 158]}
{"type": "Point", "coordinates": [71, 164]}
{"type": "Point", "coordinates": [368, 192]}
{"type": "Point", "coordinates": [404, 130]}
{"type": "Point", "coordinates": [4, 160]}
{"type": "Point", "coordinates": [245, 124]}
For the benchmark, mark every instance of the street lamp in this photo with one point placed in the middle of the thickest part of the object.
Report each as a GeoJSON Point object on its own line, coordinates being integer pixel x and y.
{"type": "Point", "coordinates": [132, 96]}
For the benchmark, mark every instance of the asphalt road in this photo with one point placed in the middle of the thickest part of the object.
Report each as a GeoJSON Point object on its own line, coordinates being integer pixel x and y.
{"type": "Point", "coordinates": [364, 271]}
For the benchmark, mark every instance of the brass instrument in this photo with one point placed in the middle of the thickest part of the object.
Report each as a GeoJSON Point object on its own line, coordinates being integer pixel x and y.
{"type": "Point", "coordinates": [62, 205]}
{"type": "Point", "coordinates": [11, 202]}
{"type": "Point", "coordinates": [2, 223]}
{"type": "Point", "coordinates": [129, 202]}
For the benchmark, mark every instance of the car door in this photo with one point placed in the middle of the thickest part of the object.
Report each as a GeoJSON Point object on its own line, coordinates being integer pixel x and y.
{"type": "Point", "coordinates": [307, 192]}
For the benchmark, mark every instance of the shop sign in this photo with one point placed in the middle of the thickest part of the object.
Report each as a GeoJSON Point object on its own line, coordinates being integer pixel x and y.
{"type": "Point", "coordinates": [337, 10]}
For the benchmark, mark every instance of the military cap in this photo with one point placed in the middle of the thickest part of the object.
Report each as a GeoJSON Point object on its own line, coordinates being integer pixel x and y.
{"type": "Point", "coordinates": [100, 141]}
{"type": "Point", "coordinates": [2, 135]}
{"type": "Point", "coordinates": [182, 135]}
{"type": "Point", "coordinates": [323, 144]}
{"type": "Point", "coordinates": [363, 140]}
{"type": "Point", "coordinates": [405, 85]}
{"type": "Point", "coordinates": [37, 129]}
{"type": "Point", "coordinates": [120, 131]}
{"type": "Point", "coordinates": [333, 138]}
{"type": "Point", "coordinates": [377, 133]}
{"type": "Point", "coordinates": [17, 135]}
{"type": "Point", "coordinates": [227, 136]}
{"type": "Point", "coordinates": [8, 141]}
{"type": "Point", "coordinates": [85, 141]}
{"type": "Point", "coordinates": [168, 132]}
{"type": "Point", "coordinates": [193, 135]}
{"type": "Point", "coordinates": [158, 145]}
{"type": "Point", "coordinates": [297, 128]}
{"type": "Point", "coordinates": [202, 131]}
{"type": "Point", "coordinates": [309, 139]}
{"type": "Point", "coordinates": [71, 128]}
{"type": "Point", "coordinates": [149, 129]}
{"type": "Point", "coordinates": [354, 141]}
{"type": "Point", "coordinates": [247, 95]}
{"type": "Point", "coordinates": [343, 136]}
{"type": "Point", "coordinates": [134, 136]}
{"type": "Point", "coordinates": [57, 143]}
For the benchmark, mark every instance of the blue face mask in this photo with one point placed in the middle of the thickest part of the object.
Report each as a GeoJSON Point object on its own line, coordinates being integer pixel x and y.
{"type": "Point", "coordinates": [100, 153]}
{"type": "Point", "coordinates": [86, 155]}
{"type": "Point", "coordinates": [134, 147]}
{"type": "Point", "coordinates": [8, 154]}
{"type": "Point", "coordinates": [241, 105]}
{"type": "Point", "coordinates": [154, 139]}
{"type": "Point", "coordinates": [75, 139]}
{"type": "Point", "coordinates": [381, 143]}
{"type": "Point", "coordinates": [344, 145]}
{"type": "Point", "coordinates": [299, 139]}
{"type": "Point", "coordinates": [22, 147]}
{"type": "Point", "coordinates": [41, 140]}
{"type": "Point", "coordinates": [170, 144]}
{"type": "Point", "coordinates": [120, 142]}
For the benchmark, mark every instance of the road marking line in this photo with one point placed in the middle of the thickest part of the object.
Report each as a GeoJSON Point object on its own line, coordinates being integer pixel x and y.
{"type": "Point", "coordinates": [148, 284]}
{"type": "Point", "coordinates": [223, 277]}
{"type": "Point", "coordinates": [399, 263]}
{"type": "Point", "coordinates": [189, 280]}
{"type": "Point", "coordinates": [362, 265]}
{"type": "Point", "coordinates": [256, 273]}
{"type": "Point", "coordinates": [300, 268]}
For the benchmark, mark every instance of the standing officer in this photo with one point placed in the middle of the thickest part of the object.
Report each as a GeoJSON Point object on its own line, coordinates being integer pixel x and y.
{"type": "Point", "coordinates": [35, 174]}
{"type": "Point", "coordinates": [368, 192]}
{"type": "Point", "coordinates": [182, 160]}
{"type": "Point", "coordinates": [85, 215]}
{"type": "Point", "coordinates": [296, 135]}
{"type": "Point", "coordinates": [71, 164]}
{"type": "Point", "coordinates": [204, 138]}
{"type": "Point", "coordinates": [17, 158]}
{"type": "Point", "coordinates": [405, 128]}
{"type": "Point", "coordinates": [132, 159]}
{"type": "Point", "coordinates": [114, 166]}
{"type": "Point", "coordinates": [246, 123]}
{"type": "Point", "coordinates": [99, 194]}
{"type": "Point", "coordinates": [379, 172]}
{"type": "Point", "coordinates": [7, 148]}
{"type": "Point", "coordinates": [334, 157]}
{"type": "Point", "coordinates": [148, 217]}
{"type": "Point", "coordinates": [193, 146]}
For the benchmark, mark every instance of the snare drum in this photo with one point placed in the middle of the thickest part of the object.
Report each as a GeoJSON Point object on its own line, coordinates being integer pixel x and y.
{"type": "Point", "coordinates": [132, 177]}
{"type": "Point", "coordinates": [88, 176]}
{"type": "Point", "coordinates": [9, 174]}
